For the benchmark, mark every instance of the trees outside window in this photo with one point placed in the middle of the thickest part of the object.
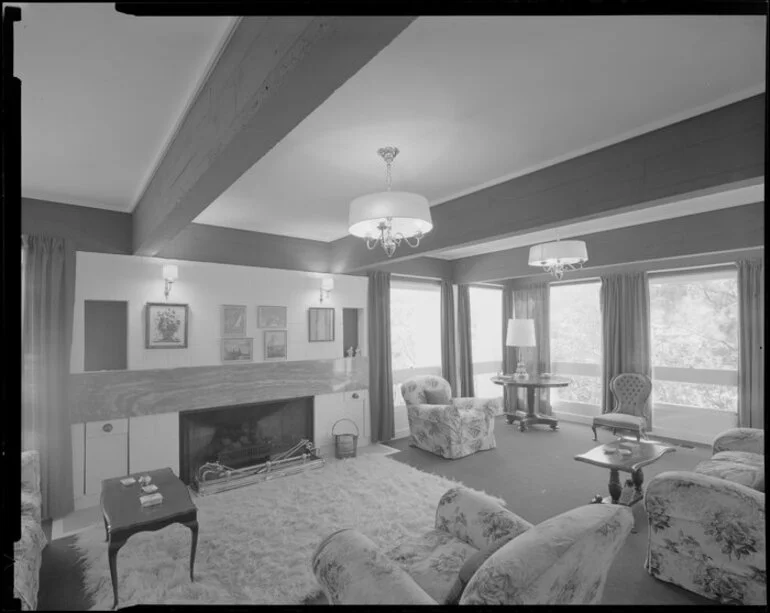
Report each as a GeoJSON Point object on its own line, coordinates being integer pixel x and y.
{"type": "Point", "coordinates": [486, 338]}
{"type": "Point", "coordinates": [576, 346]}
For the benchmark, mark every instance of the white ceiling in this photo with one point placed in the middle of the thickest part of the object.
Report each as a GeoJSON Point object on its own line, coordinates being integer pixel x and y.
{"type": "Point", "coordinates": [471, 101]}
{"type": "Point", "coordinates": [101, 96]}
{"type": "Point", "coordinates": [710, 200]}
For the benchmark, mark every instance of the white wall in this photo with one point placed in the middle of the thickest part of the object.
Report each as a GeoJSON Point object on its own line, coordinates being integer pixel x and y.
{"type": "Point", "coordinates": [205, 287]}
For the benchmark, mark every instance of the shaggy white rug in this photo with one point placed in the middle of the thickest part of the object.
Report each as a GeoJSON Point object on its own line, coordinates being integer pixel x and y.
{"type": "Point", "coordinates": [255, 543]}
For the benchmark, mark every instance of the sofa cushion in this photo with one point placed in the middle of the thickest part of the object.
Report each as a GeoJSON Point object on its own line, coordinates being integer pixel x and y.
{"type": "Point", "coordinates": [742, 467]}
{"type": "Point", "coordinates": [620, 420]}
{"type": "Point", "coordinates": [433, 561]}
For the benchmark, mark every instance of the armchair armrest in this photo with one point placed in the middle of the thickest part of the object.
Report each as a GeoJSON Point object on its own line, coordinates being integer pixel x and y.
{"type": "Point", "coordinates": [352, 570]}
{"type": "Point", "coordinates": [486, 405]}
{"type": "Point", "coordinates": [477, 519]}
{"type": "Point", "coordinates": [740, 439]}
{"type": "Point", "coordinates": [433, 412]}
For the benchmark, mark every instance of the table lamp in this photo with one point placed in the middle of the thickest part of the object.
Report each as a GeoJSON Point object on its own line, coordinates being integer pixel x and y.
{"type": "Point", "coordinates": [521, 333]}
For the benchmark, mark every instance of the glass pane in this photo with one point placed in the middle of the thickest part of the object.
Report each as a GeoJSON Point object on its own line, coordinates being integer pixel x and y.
{"type": "Point", "coordinates": [719, 397]}
{"type": "Point", "coordinates": [582, 389]}
{"type": "Point", "coordinates": [415, 326]}
{"type": "Point", "coordinates": [576, 323]}
{"type": "Point", "coordinates": [695, 322]}
{"type": "Point", "coordinates": [483, 386]}
{"type": "Point", "coordinates": [486, 324]}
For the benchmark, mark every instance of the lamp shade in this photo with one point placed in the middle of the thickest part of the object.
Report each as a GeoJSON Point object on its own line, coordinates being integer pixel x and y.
{"type": "Point", "coordinates": [558, 252]}
{"type": "Point", "coordinates": [409, 213]}
{"type": "Point", "coordinates": [327, 284]}
{"type": "Point", "coordinates": [170, 272]}
{"type": "Point", "coordinates": [521, 333]}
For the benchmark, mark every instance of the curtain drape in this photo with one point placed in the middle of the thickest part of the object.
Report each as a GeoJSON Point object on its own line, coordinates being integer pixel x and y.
{"type": "Point", "coordinates": [380, 363]}
{"type": "Point", "coordinates": [509, 356]}
{"type": "Point", "coordinates": [751, 330]}
{"type": "Point", "coordinates": [448, 363]}
{"type": "Point", "coordinates": [49, 303]}
{"type": "Point", "coordinates": [625, 308]}
{"type": "Point", "coordinates": [533, 302]}
{"type": "Point", "coordinates": [464, 338]}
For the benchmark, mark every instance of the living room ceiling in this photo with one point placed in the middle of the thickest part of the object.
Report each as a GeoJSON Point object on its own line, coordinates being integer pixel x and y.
{"type": "Point", "coordinates": [470, 101]}
{"type": "Point", "coordinates": [473, 101]}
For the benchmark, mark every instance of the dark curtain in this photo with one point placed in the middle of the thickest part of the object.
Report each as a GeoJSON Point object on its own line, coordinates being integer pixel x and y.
{"type": "Point", "coordinates": [464, 338]}
{"type": "Point", "coordinates": [533, 302]}
{"type": "Point", "coordinates": [448, 363]}
{"type": "Point", "coordinates": [625, 306]}
{"type": "Point", "coordinates": [751, 330]}
{"type": "Point", "coordinates": [509, 355]}
{"type": "Point", "coordinates": [380, 364]}
{"type": "Point", "coordinates": [48, 279]}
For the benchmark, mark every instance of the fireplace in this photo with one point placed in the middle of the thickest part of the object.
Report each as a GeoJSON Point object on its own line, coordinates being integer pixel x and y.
{"type": "Point", "coordinates": [242, 435]}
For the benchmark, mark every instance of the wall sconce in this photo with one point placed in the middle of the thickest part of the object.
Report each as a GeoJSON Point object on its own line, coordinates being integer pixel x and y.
{"type": "Point", "coordinates": [327, 285]}
{"type": "Point", "coordinates": [170, 274]}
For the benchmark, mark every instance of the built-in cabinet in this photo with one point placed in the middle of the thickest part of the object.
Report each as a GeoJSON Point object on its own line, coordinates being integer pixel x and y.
{"type": "Point", "coordinates": [117, 447]}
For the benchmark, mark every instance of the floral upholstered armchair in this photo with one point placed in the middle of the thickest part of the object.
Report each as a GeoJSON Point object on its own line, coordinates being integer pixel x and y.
{"type": "Point", "coordinates": [28, 550]}
{"type": "Point", "coordinates": [630, 391]}
{"type": "Point", "coordinates": [707, 527]}
{"type": "Point", "coordinates": [449, 427]}
{"type": "Point", "coordinates": [479, 553]}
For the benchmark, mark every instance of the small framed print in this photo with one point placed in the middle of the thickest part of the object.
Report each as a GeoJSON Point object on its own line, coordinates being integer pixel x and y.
{"type": "Point", "coordinates": [275, 345]}
{"type": "Point", "coordinates": [320, 324]}
{"type": "Point", "coordinates": [165, 325]}
{"type": "Point", "coordinates": [233, 321]}
{"type": "Point", "coordinates": [271, 316]}
{"type": "Point", "coordinates": [237, 350]}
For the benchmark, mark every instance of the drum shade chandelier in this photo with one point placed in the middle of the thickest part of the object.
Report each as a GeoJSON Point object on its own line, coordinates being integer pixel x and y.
{"type": "Point", "coordinates": [558, 256]}
{"type": "Point", "coordinates": [387, 218]}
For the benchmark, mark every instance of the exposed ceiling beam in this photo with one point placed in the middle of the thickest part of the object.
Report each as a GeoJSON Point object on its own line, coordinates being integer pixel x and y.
{"type": "Point", "coordinates": [740, 227]}
{"type": "Point", "coordinates": [273, 72]}
{"type": "Point", "coordinates": [722, 146]}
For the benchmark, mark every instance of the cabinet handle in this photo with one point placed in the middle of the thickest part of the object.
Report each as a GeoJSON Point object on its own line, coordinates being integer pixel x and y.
{"type": "Point", "coordinates": [107, 427]}
{"type": "Point", "coordinates": [355, 395]}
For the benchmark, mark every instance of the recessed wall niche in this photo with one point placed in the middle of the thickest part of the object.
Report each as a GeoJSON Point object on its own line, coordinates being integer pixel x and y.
{"type": "Point", "coordinates": [106, 335]}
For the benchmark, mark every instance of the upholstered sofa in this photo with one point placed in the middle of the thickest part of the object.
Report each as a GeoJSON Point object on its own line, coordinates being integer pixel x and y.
{"type": "Point", "coordinates": [449, 427]}
{"type": "Point", "coordinates": [479, 553]}
{"type": "Point", "coordinates": [707, 527]}
{"type": "Point", "coordinates": [28, 550]}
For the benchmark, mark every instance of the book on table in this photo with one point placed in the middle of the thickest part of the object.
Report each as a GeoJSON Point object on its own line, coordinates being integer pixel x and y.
{"type": "Point", "coordinates": [151, 499]}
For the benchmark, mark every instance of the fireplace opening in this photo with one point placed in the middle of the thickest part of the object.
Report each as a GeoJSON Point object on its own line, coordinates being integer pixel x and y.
{"type": "Point", "coordinates": [242, 435]}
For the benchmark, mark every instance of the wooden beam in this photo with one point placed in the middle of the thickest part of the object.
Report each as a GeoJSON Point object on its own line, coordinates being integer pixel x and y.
{"type": "Point", "coordinates": [711, 149]}
{"type": "Point", "coordinates": [202, 243]}
{"type": "Point", "coordinates": [428, 268]}
{"type": "Point", "coordinates": [741, 227]}
{"type": "Point", "coordinates": [273, 72]}
{"type": "Point", "coordinates": [89, 228]}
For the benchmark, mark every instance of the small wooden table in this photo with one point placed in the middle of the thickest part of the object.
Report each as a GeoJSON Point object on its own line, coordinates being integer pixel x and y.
{"type": "Point", "coordinates": [642, 454]}
{"type": "Point", "coordinates": [533, 383]}
{"type": "Point", "coordinates": [124, 515]}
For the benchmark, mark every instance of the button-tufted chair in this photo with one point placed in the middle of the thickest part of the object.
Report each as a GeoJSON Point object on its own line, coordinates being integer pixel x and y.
{"type": "Point", "coordinates": [707, 527]}
{"type": "Point", "coordinates": [631, 391]}
{"type": "Point", "coordinates": [479, 553]}
{"type": "Point", "coordinates": [449, 427]}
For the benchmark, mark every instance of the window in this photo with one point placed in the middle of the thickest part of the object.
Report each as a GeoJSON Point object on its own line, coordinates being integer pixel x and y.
{"type": "Point", "coordinates": [415, 331]}
{"type": "Point", "coordinates": [486, 338]}
{"type": "Point", "coordinates": [694, 342]}
{"type": "Point", "coordinates": [576, 346]}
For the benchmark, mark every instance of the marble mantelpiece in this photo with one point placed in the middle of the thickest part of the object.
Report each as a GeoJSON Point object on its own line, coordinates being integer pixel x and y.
{"type": "Point", "coordinates": [96, 396]}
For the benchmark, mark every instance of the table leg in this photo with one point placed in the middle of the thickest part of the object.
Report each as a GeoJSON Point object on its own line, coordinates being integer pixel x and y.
{"type": "Point", "coordinates": [112, 555]}
{"type": "Point", "coordinates": [530, 402]}
{"type": "Point", "coordinates": [106, 530]}
{"type": "Point", "coordinates": [614, 485]}
{"type": "Point", "coordinates": [638, 478]}
{"type": "Point", "coordinates": [193, 526]}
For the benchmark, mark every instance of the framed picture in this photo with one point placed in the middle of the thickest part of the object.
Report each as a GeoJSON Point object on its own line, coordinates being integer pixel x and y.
{"type": "Point", "coordinates": [233, 321]}
{"type": "Point", "coordinates": [275, 345]}
{"type": "Point", "coordinates": [271, 316]}
{"type": "Point", "coordinates": [237, 349]}
{"type": "Point", "coordinates": [165, 325]}
{"type": "Point", "coordinates": [320, 324]}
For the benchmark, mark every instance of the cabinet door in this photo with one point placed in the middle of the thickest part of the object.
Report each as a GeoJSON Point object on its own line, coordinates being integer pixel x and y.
{"type": "Point", "coordinates": [357, 408]}
{"type": "Point", "coordinates": [327, 408]}
{"type": "Point", "coordinates": [106, 452]}
{"type": "Point", "coordinates": [153, 442]}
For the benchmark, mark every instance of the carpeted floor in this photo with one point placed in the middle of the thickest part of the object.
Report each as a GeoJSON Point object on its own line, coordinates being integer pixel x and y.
{"type": "Point", "coordinates": [534, 472]}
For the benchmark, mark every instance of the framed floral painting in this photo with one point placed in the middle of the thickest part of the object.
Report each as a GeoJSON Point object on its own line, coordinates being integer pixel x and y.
{"type": "Point", "coordinates": [166, 325]}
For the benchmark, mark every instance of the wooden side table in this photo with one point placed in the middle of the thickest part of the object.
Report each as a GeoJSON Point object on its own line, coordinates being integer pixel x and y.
{"type": "Point", "coordinates": [533, 383]}
{"type": "Point", "coordinates": [124, 515]}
